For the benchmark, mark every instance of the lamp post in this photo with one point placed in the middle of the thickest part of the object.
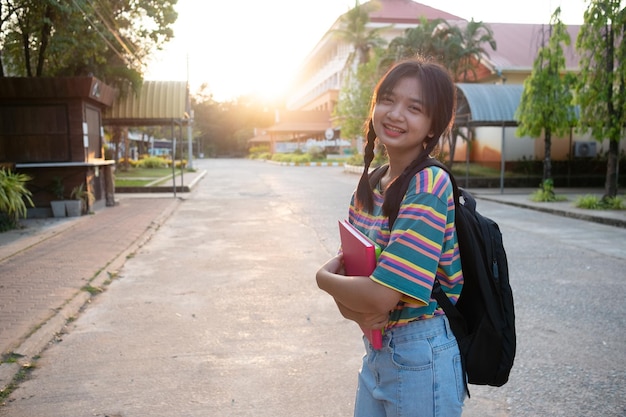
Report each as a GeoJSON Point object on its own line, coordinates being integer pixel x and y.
{"type": "Point", "coordinates": [189, 138]}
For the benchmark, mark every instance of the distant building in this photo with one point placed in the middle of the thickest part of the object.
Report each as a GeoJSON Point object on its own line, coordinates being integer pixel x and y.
{"type": "Point", "coordinates": [315, 91]}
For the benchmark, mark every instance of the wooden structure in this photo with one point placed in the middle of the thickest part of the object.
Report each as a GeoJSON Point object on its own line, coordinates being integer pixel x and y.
{"type": "Point", "coordinates": [52, 128]}
{"type": "Point", "coordinates": [158, 103]}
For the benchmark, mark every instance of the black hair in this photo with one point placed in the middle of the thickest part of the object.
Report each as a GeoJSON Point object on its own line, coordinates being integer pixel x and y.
{"type": "Point", "coordinates": [439, 94]}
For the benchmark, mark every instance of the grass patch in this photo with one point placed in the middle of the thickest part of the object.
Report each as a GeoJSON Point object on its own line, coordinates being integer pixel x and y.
{"type": "Point", "coordinates": [141, 177]}
{"type": "Point", "coordinates": [111, 277]}
{"type": "Point", "coordinates": [131, 183]}
{"type": "Point", "coordinates": [92, 290]}
{"type": "Point", "coordinates": [546, 194]}
{"type": "Point", "coordinates": [134, 173]}
{"type": "Point", "coordinates": [11, 357]}
{"type": "Point", "coordinates": [475, 170]}
{"type": "Point", "coordinates": [592, 202]}
{"type": "Point", "coordinates": [20, 376]}
{"type": "Point", "coordinates": [543, 196]}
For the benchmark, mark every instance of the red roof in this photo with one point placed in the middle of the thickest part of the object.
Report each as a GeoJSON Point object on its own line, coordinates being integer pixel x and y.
{"type": "Point", "coordinates": [406, 11]}
{"type": "Point", "coordinates": [517, 45]}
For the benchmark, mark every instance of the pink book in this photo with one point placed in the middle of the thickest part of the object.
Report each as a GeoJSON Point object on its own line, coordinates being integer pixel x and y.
{"type": "Point", "coordinates": [359, 257]}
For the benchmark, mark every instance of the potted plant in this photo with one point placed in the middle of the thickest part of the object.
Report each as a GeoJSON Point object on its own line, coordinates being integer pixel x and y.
{"type": "Point", "coordinates": [58, 191]}
{"type": "Point", "coordinates": [14, 197]}
{"type": "Point", "coordinates": [80, 201]}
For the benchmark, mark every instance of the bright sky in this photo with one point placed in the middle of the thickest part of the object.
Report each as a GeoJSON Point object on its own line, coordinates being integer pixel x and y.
{"type": "Point", "coordinates": [243, 47]}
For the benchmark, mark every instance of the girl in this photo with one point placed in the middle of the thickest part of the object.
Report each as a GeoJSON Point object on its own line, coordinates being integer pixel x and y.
{"type": "Point", "coordinates": [418, 370]}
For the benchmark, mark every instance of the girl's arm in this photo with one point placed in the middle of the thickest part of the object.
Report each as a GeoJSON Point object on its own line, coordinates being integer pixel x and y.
{"type": "Point", "coordinates": [359, 294]}
{"type": "Point", "coordinates": [365, 320]}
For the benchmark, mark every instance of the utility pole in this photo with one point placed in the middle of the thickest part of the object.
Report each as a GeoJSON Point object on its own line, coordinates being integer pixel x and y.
{"type": "Point", "coordinates": [189, 120]}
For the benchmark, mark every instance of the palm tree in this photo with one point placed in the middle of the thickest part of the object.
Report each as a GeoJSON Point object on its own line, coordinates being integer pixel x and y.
{"type": "Point", "coordinates": [462, 52]}
{"type": "Point", "coordinates": [365, 41]}
{"type": "Point", "coordinates": [473, 37]}
{"type": "Point", "coordinates": [419, 40]}
{"type": "Point", "coordinates": [354, 31]}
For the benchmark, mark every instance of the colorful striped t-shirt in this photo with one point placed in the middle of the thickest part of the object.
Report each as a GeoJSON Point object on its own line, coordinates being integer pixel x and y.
{"type": "Point", "coordinates": [422, 245]}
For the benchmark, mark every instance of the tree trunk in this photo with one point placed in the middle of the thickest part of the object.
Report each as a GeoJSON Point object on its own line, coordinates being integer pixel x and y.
{"type": "Point", "coordinates": [126, 163]}
{"type": "Point", "coordinates": [452, 137]}
{"type": "Point", "coordinates": [26, 45]}
{"type": "Point", "coordinates": [610, 184]}
{"type": "Point", "coordinates": [116, 138]}
{"type": "Point", "coordinates": [547, 160]}
{"type": "Point", "coordinates": [46, 29]}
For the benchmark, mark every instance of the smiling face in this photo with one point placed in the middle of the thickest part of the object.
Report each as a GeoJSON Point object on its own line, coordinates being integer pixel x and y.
{"type": "Point", "coordinates": [400, 119]}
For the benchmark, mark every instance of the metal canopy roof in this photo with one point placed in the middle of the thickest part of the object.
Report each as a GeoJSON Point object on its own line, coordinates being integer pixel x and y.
{"type": "Point", "coordinates": [487, 104]}
{"type": "Point", "coordinates": [157, 103]}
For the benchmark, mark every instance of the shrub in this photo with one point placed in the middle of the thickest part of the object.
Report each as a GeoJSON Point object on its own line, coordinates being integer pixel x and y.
{"type": "Point", "coordinates": [281, 157]}
{"type": "Point", "coordinates": [592, 202]}
{"type": "Point", "coordinates": [546, 193]}
{"type": "Point", "coordinates": [588, 202]}
{"type": "Point", "coordinates": [316, 153]}
{"type": "Point", "coordinates": [256, 152]}
{"type": "Point", "coordinates": [291, 158]}
{"type": "Point", "coordinates": [153, 162]}
{"type": "Point", "coordinates": [614, 203]}
{"type": "Point", "coordinates": [301, 159]}
{"type": "Point", "coordinates": [355, 160]}
{"type": "Point", "coordinates": [131, 162]}
{"type": "Point", "coordinates": [13, 198]}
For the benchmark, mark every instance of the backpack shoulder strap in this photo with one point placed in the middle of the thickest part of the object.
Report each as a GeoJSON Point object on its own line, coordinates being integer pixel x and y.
{"type": "Point", "coordinates": [457, 322]}
{"type": "Point", "coordinates": [424, 164]}
{"type": "Point", "coordinates": [377, 174]}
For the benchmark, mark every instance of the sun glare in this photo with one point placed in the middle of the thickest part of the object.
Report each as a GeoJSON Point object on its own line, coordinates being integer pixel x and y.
{"type": "Point", "coordinates": [253, 47]}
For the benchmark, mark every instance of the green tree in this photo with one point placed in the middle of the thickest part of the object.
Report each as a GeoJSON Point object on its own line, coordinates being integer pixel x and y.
{"type": "Point", "coordinates": [357, 84]}
{"type": "Point", "coordinates": [601, 91]}
{"type": "Point", "coordinates": [223, 128]}
{"type": "Point", "coordinates": [108, 39]}
{"type": "Point", "coordinates": [459, 50]}
{"type": "Point", "coordinates": [354, 98]}
{"type": "Point", "coordinates": [546, 103]}
{"type": "Point", "coordinates": [473, 38]}
{"type": "Point", "coordinates": [418, 40]}
{"type": "Point", "coordinates": [354, 31]}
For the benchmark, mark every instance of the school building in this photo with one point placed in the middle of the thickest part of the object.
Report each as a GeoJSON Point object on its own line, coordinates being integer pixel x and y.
{"type": "Point", "coordinates": [485, 107]}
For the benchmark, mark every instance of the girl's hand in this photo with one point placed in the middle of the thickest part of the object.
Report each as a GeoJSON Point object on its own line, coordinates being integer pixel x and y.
{"type": "Point", "coordinates": [334, 265]}
{"type": "Point", "coordinates": [366, 320]}
{"type": "Point", "coordinates": [361, 294]}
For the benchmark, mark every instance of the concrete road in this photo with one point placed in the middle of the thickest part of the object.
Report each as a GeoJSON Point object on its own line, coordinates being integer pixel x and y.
{"type": "Point", "coordinates": [219, 314]}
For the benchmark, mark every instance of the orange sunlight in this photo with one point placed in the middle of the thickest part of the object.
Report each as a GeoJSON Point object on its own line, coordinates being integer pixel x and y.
{"type": "Point", "coordinates": [253, 47]}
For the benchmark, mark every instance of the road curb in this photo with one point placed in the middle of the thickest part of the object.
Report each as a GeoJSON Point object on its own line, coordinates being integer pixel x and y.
{"type": "Point", "coordinates": [559, 212]}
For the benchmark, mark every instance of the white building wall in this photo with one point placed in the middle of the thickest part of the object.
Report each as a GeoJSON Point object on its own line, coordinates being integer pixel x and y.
{"type": "Point", "coordinates": [515, 148]}
{"type": "Point", "coordinates": [333, 53]}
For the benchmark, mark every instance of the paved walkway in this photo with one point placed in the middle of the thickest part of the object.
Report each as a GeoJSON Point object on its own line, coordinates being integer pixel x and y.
{"type": "Point", "coordinates": [49, 268]}
{"type": "Point", "coordinates": [519, 197]}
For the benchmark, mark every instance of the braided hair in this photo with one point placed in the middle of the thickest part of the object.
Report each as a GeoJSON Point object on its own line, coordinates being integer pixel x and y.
{"type": "Point", "coordinates": [439, 93]}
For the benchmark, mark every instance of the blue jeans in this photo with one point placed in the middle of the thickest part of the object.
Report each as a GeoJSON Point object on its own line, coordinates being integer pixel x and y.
{"type": "Point", "coordinates": [417, 373]}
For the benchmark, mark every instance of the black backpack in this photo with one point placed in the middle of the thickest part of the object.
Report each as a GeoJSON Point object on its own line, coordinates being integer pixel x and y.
{"type": "Point", "coordinates": [483, 319]}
